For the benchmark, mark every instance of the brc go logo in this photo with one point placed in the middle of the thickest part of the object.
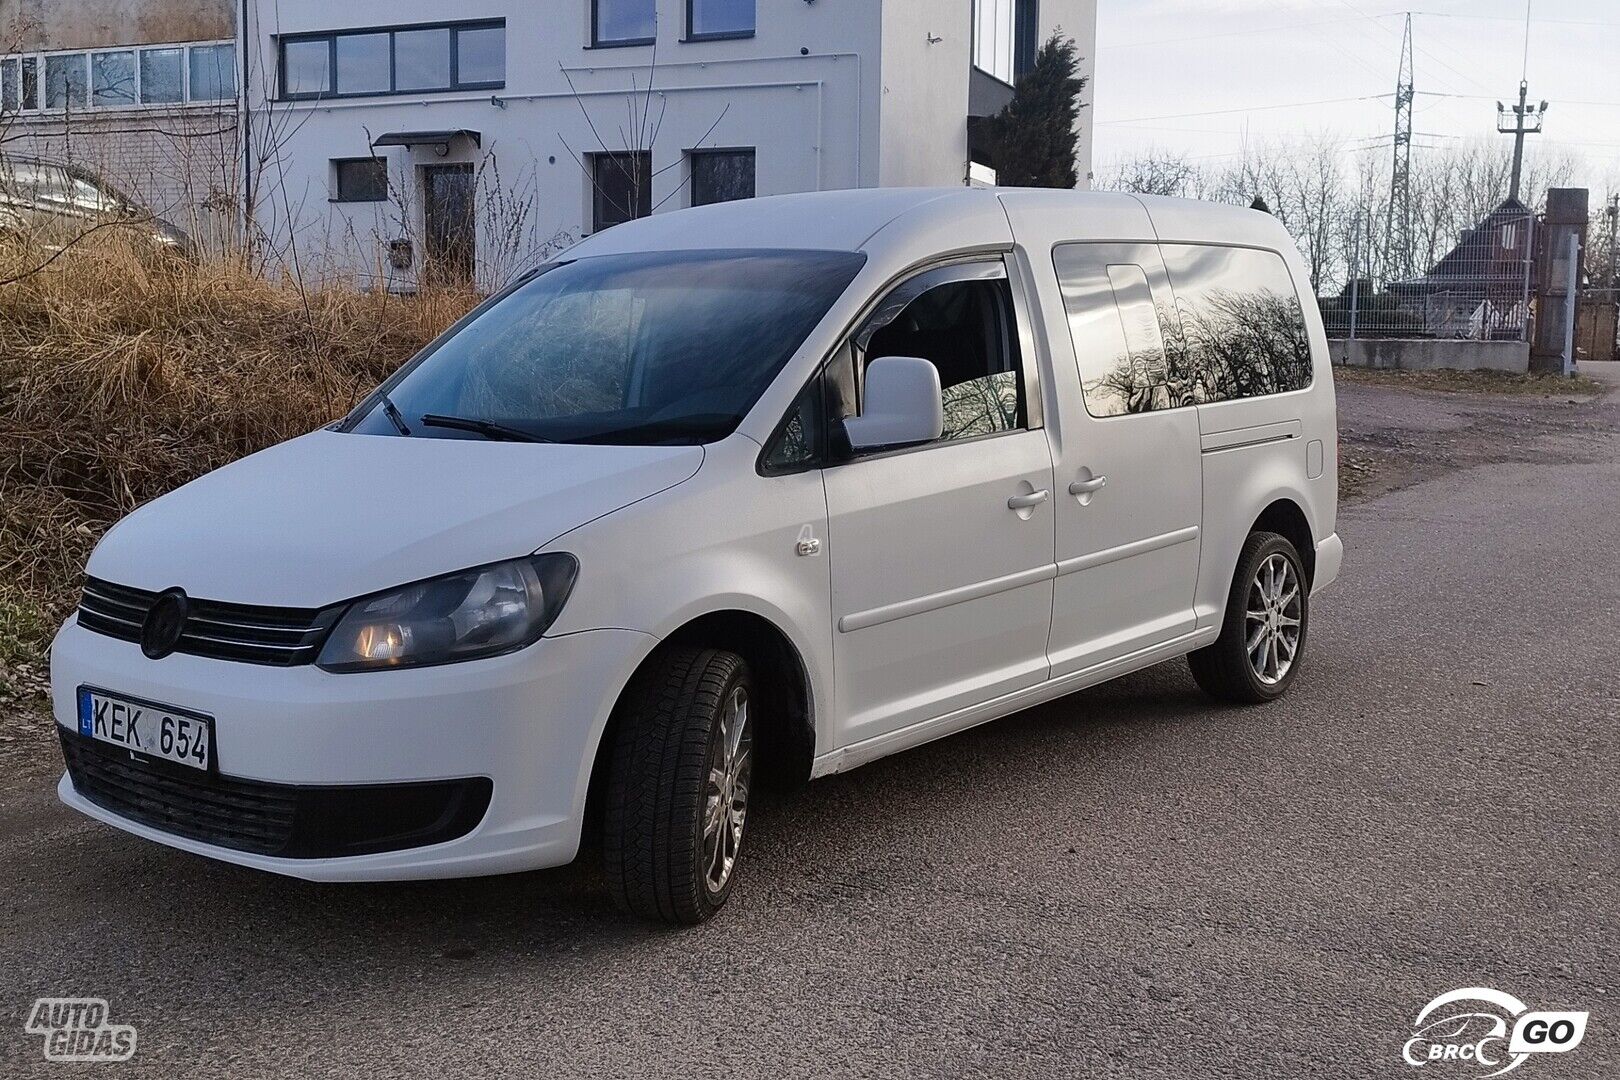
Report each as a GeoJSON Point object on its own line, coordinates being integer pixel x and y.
{"type": "Point", "coordinates": [77, 1029]}
{"type": "Point", "coordinates": [1454, 1028]}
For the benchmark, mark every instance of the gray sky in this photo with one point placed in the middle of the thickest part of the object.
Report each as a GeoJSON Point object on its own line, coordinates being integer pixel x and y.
{"type": "Point", "coordinates": [1159, 60]}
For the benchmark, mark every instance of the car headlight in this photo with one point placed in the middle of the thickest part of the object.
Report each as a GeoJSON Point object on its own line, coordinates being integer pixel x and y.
{"type": "Point", "coordinates": [484, 611]}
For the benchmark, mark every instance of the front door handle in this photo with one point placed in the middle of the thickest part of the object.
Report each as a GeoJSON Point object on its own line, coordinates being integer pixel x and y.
{"type": "Point", "coordinates": [1024, 502]}
{"type": "Point", "coordinates": [1088, 487]}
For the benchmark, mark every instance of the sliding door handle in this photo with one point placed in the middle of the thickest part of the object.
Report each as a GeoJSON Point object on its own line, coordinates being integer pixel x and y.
{"type": "Point", "coordinates": [1025, 502]}
{"type": "Point", "coordinates": [1088, 487]}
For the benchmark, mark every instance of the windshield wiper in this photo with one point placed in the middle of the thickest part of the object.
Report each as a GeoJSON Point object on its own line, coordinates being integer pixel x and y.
{"type": "Point", "coordinates": [489, 429]}
{"type": "Point", "coordinates": [391, 411]}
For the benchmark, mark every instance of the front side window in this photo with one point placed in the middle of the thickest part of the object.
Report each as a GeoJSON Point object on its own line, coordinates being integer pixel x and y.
{"type": "Point", "coordinates": [1241, 319]}
{"type": "Point", "coordinates": [722, 176]}
{"type": "Point", "coordinates": [621, 188]}
{"type": "Point", "coordinates": [960, 319]}
{"type": "Point", "coordinates": [654, 348]}
{"type": "Point", "coordinates": [719, 18]}
{"type": "Point", "coordinates": [66, 81]}
{"type": "Point", "coordinates": [623, 22]}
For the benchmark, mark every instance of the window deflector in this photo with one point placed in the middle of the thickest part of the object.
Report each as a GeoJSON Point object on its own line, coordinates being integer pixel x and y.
{"type": "Point", "coordinates": [907, 291]}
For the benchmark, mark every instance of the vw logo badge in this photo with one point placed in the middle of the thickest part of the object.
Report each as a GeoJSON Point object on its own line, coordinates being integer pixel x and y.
{"type": "Point", "coordinates": [160, 634]}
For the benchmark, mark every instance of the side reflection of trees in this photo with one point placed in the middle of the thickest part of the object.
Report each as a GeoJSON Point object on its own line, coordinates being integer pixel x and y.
{"type": "Point", "coordinates": [1233, 344]}
{"type": "Point", "coordinates": [981, 406]}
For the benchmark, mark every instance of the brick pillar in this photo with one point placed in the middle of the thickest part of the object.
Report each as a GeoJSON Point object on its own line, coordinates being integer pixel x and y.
{"type": "Point", "coordinates": [1567, 216]}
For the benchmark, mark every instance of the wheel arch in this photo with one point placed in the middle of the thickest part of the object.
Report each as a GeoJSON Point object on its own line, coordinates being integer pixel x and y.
{"type": "Point", "coordinates": [786, 736]}
{"type": "Point", "coordinates": [1286, 518]}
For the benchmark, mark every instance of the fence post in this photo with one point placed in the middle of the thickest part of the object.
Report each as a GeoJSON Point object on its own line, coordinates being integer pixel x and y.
{"type": "Point", "coordinates": [1355, 296]}
{"type": "Point", "coordinates": [1529, 272]}
{"type": "Point", "coordinates": [1571, 296]}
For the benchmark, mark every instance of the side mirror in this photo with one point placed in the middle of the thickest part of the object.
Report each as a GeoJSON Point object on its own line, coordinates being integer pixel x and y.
{"type": "Point", "coordinates": [904, 405]}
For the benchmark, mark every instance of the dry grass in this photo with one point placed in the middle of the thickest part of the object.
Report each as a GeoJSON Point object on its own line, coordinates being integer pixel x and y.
{"type": "Point", "coordinates": [125, 373]}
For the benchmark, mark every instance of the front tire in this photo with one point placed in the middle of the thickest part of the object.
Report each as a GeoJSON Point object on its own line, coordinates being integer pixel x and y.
{"type": "Point", "coordinates": [677, 793]}
{"type": "Point", "coordinates": [1262, 640]}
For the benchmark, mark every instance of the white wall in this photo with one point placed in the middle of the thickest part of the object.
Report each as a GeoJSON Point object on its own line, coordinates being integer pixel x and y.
{"type": "Point", "coordinates": [812, 115]}
{"type": "Point", "coordinates": [926, 57]}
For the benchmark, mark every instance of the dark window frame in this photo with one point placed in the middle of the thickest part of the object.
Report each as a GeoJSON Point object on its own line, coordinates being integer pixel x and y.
{"type": "Point", "coordinates": [599, 42]}
{"type": "Point", "coordinates": [337, 179]}
{"type": "Point", "coordinates": [721, 35]}
{"type": "Point", "coordinates": [331, 38]}
{"type": "Point", "coordinates": [597, 200]}
{"type": "Point", "coordinates": [714, 151]}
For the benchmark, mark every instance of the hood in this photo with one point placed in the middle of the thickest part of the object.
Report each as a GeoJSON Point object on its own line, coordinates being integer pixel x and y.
{"type": "Point", "coordinates": [330, 516]}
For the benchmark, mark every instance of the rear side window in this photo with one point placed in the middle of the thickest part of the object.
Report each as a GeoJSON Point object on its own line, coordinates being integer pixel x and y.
{"type": "Point", "coordinates": [1240, 317]}
{"type": "Point", "coordinates": [1122, 320]}
{"type": "Point", "coordinates": [1230, 328]}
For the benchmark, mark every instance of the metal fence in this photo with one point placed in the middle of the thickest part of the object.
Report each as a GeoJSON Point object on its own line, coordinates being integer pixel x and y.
{"type": "Point", "coordinates": [1479, 291]}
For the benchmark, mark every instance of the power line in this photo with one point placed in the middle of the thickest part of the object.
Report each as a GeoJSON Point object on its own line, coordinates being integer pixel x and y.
{"type": "Point", "coordinates": [1246, 109]}
{"type": "Point", "coordinates": [1223, 34]}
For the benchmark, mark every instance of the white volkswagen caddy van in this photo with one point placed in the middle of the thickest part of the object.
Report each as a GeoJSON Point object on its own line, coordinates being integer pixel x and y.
{"type": "Point", "coordinates": [747, 493]}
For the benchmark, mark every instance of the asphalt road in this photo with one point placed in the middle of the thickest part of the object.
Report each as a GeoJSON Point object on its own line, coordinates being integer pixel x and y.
{"type": "Point", "coordinates": [1129, 882]}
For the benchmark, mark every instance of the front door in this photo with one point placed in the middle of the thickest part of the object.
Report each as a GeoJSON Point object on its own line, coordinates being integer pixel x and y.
{"type": "Point", "coordinates": [1129, 489]}
{"type": "Point", "coordinates": [941, 555]}
{"type": "Point", "coordinates": [451, 224]}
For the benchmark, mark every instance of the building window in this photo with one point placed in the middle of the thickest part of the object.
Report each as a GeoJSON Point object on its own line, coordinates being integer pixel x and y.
{"type": "Point", "coordinates": [623, 22]}
{"type": "Point", "coordinates": [364, 65]}
{"type": "Point", "coordinates": [65, 81]}
{"type": "Point", "coordinates": [1005, 37]}
{"type": "Point", "coordinates": [422, 59]}
{"type": "Point", "coordinates": [112, 78]}
{"type": "Point", "coordinates": [213, 72]}
{"type": "Point", "coordinates": [361, 179]}
{"type": "Point", "coordinates": [358, 63]}
{"type": "Point", "coordinates": [118, 78]}
{"type": "Point", "coordinates": [163, 77]}
{"type": "Point", "coordinates": [722, 176]}
{"type": "Point", "coordinates": [719, 19]}
{"type": "Point", "coordinates": [622, 187]}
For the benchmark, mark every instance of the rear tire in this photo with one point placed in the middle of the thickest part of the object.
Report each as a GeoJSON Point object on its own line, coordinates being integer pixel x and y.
{"type": "Point", "coordinates": [1262, 642]}
{"type": "Point", "coordinates": [677, 793]}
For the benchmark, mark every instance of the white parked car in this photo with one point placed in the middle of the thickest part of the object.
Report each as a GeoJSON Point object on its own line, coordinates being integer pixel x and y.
{"type": "Point", "coordinates": [759, 491]}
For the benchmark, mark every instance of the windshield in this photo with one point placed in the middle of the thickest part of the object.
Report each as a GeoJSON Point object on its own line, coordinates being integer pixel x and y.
{"type": "Point", "coordinates": [639, 349]}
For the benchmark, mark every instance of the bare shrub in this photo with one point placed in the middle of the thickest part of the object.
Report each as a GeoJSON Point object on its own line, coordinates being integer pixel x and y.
{"type": "Point", "coordinates": [125, 373]}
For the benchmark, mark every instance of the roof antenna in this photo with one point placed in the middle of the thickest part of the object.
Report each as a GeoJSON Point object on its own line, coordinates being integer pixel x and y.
{"type": "Point", "coordinates": [1260, 205]}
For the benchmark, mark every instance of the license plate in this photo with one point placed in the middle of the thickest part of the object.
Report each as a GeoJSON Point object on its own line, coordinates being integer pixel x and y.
{"type": "Point", "coordinates": [160, 731]}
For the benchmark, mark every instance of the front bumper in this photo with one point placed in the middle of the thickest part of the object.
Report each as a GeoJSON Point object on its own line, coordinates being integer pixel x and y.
{"type": "Point", "coordinates": [529, 722]}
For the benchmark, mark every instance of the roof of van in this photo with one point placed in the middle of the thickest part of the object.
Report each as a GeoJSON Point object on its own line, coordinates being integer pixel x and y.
{"type": "Point", "coordinates": [848, 220]}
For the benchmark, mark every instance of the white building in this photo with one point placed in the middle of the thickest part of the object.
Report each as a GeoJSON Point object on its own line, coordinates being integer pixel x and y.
{"type": "Point", "coordinates": [393, 135]}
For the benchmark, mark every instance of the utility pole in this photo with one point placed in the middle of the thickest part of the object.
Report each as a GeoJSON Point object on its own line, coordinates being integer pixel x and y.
{"type": "Point", "coordinates": [1614, 256]}
{"type": "Point", "coordinates": [1398, 233]}
{"type": "Point", "coordinates": [1522, 113]}
{"type": "Point", "coordinates": [1526, 121]}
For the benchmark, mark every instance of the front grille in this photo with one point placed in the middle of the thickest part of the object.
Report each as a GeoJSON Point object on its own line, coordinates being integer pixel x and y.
{"type": "Point", "coordinates": [292, 821]}
{"type": "Point", "coordinates": [279, 637]}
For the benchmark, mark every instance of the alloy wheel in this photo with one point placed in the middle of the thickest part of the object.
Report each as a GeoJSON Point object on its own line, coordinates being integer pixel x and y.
{"type": "Point", "coordinates": [726, 804]}
{"type": "Point", "coordinates": [1273, 617]}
